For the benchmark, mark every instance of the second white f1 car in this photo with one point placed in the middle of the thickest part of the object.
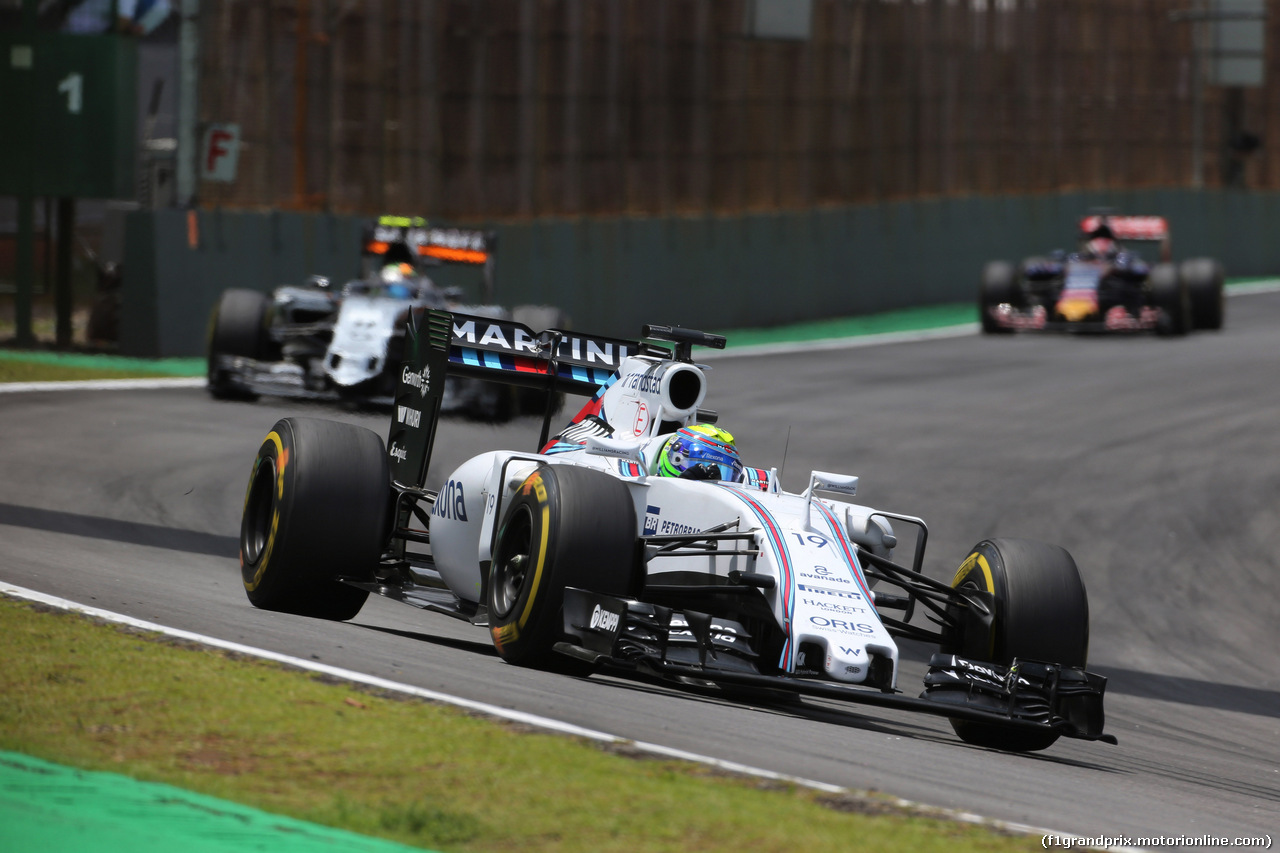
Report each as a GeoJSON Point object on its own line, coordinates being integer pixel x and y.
{"type": "Point", "coordinates": [580, 555]}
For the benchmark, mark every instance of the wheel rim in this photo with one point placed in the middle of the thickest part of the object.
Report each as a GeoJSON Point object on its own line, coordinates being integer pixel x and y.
{"type": "Point", "coordinates": [258, 511]}
{"type": "Point", "coordinates": [512, 562]}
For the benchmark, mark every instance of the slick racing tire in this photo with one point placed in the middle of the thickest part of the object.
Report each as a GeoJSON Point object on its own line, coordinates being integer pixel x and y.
{"type": "Point", "coordinates": [316, 510]}
{"type": "Point", "coordinates": [238, 327]}
{"type": "Point", "coordinates": [1204, 281]}
{"type": "Point", "coordinates": [565, 526]}
{"type": "Point", "coordinates": [1041, 613]}
{"type": "Point", "coordinates": [999, 286]}
{"type": "Point", "coordinates": [1168, 292]}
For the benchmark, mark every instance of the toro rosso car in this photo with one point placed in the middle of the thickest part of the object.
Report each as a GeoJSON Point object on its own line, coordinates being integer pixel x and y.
{"type": "Point", "coordinates": [346, 343]}
{"type": "Point", "coordinates": [579, 555]}
{"type": "Point", "coordinates": [1104, 286]}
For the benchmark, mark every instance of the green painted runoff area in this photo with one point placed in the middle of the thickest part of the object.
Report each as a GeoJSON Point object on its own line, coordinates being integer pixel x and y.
{"type": "Point", "coordinates": [56, 809]}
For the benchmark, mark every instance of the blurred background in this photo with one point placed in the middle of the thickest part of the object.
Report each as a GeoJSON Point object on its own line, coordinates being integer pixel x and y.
{"type": "Point", "coordinates": [721, 163]}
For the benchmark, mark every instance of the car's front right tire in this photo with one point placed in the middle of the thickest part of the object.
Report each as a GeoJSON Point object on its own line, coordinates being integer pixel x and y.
{"type": "Point", "coordinates": [999, 286]}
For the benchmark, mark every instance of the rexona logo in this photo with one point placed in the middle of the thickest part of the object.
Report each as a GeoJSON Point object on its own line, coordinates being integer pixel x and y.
{"type": "Point", "coordinates": [421, 381]}
{"type": "Point", "coordinates": [604, 620]}
{"type": "Point", "coordinates": [408, 416]}
{"type": "Point", "coordinates": [450, 503]}
{"type": "Point", "coordinates": [395, 451]}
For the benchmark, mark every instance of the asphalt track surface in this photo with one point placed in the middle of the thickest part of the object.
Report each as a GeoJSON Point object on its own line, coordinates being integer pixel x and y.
{"type": "Point", "coordinates": [1155, 462]}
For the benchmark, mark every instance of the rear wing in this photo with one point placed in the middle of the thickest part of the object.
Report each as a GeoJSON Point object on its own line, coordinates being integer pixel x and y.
{"type": "Point", "coordinates": [415, 239]}
{"type": "Point", "coordinates": [1139, 229]}
{"type": "Point", "coordinates": [438, 343]}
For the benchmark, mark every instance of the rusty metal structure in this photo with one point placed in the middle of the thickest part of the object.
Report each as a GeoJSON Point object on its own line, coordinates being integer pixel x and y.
{"type": "Point", "coordinates": [511, 109]}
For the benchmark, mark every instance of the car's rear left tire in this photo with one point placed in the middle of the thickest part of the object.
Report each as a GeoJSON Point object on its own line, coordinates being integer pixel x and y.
{"type": "Point", "coordinates": [1041, 613]}
{"type": "Point", "coordinates": [316, 509]}
{"type": "Point", "coordinates": [565, 526]}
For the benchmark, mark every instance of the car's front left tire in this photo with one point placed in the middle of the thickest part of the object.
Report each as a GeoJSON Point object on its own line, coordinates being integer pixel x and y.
{"type": "Point", "coordinates": [565, 526]}
{"type": "Point", "coordinates": [238, 327]}
{"type": "Point", "coordinates": [1041, 613]}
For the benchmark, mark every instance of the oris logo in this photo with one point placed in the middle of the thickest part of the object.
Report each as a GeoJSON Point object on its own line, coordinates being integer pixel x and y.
{"type": "Point", "coordinates": [603, 619]}
{"type": "Point", "coordinates": [421, 381]}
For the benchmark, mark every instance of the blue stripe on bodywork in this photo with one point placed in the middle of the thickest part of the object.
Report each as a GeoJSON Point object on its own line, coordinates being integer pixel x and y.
{"type": "Point", "coordinates": [850, 559]}
{"type": "Point", "coordinates": [783, 557]}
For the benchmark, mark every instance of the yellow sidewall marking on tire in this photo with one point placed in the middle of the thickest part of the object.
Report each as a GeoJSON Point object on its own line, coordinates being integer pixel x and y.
{"type": "Point", "coordinates": [967, 566]}
{"type": "Point", "coordinates": [281, 458]}
{"type": "Point", "coordinates": [537, 572]}
{"type": "Point", "coordinates": [962, 574]}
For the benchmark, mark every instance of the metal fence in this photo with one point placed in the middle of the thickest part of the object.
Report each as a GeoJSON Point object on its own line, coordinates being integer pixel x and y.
{"type": "Point", "coordinates": [488, 109]}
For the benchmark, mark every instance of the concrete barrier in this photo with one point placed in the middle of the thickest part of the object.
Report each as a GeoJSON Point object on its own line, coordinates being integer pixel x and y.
{"type": "Point", "coordinates": [712, 272]}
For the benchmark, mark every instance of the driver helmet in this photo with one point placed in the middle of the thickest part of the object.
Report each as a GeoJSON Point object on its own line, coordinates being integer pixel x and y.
{"type": "Point", "coordinates": [1102, 247]}
{"type": "Point", "coordinates": [701, 445]}
{"type": "Point", "coordinates": [394, 276]}
{"type": "Point", "coordinates": [1101, 241]}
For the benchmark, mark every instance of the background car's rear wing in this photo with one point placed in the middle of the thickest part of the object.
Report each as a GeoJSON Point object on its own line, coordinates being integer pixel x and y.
{"type": "Point", "coordinates": [414, 239]}
{"type": "Point", "coordinates": [1141, 229]}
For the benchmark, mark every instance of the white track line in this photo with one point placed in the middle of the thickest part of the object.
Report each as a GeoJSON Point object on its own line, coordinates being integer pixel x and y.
{"type": "Point", "coordinates": [533, 720]}
{"type": "Point", "coordinates": [102, 385]}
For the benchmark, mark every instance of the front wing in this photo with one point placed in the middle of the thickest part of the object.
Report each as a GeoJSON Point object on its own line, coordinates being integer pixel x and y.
{"type": "Point", "coordinates": [636, 636]}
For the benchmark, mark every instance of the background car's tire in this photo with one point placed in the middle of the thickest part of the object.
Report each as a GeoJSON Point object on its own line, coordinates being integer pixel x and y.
{"type": "Point", "coordinates": [1168, 292]}
{"type": "Point", "coordinates": [999, 285]}
{"type": "Point", "coordinates": [539, 318]}
{"type": "Point", "coordinates": [1204, 280]}
{"type": "Point", "coordinates": [238, 327]}
{"type": "Point", "coordinates": [565, 526]}
{"type": "Point", "coordinates": [316, 509]}
{"type": "Point", "coordinates": [1041, 613]}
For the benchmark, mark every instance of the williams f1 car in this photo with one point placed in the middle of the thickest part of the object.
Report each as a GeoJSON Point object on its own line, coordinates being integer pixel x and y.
{"type": "Point", "coordinates": [346, 343]}
{"type": "Point", "coordinates": [577, 556]}
{"type": "Point", "coordinates": [1104, 286]}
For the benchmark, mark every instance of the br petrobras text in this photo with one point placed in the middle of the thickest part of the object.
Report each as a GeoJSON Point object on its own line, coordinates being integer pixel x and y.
{"type": "Point", "coordinates": [1107, 841]}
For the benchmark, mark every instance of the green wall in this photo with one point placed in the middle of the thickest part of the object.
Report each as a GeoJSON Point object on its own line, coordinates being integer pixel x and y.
{"type": "Point", "coordinates": [710, 272]}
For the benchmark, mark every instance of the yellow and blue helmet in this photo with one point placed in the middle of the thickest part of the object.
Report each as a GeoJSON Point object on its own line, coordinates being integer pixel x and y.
{"type": "Point", "coordinates": [701, 445]}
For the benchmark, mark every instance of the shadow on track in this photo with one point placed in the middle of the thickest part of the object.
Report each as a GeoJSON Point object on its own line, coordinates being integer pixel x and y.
{"type": "Point", "coordinates": [129, 532]}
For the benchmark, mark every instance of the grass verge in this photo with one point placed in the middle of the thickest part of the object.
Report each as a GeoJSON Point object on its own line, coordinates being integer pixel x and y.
{"type": "Point", "coordinates": [37, 366]}
{"type": "Point", "coordinates": [102, 697]}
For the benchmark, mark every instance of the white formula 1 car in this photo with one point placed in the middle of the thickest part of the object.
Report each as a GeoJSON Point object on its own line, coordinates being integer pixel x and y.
{"type": "Point", "coordinates": [576, 557]}
{"type": "Point", "coordinates": [323, 342]}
